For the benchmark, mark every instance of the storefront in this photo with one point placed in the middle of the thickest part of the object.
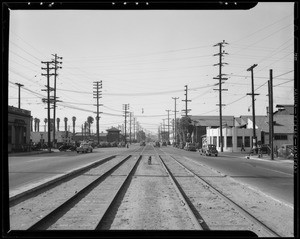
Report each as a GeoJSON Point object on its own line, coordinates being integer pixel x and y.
{"type": "Point", "coordinates": [19, 121]}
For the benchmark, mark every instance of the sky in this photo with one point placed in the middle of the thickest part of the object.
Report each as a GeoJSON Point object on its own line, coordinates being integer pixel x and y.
{"type": "Point", "coordinates": [145, 59]}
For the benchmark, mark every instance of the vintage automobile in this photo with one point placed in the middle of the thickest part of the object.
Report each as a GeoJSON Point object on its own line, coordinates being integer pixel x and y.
{"type": "Point", "coordinates": [286, 151]}
{"type": "Point", "coordinates": [190, 147]}
{"type": "Point", "coordinates": [143, 143]}
{"type": "Point", "coordinates": [84, 148]}
{"type": "Point", "coordinates": [156, 144]}
{"type": "Point", "coordinates": [66, 147]}
{"type": "Point", "coordinates": [209, 150]}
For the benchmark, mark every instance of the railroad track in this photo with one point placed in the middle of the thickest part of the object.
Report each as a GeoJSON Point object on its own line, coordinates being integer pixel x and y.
{"type": "Point", "coordinates": [93, 198]}
{"type": "Point", "coordinates": [249, 221]}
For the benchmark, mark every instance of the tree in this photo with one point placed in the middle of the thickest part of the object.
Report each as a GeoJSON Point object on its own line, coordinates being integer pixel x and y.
{"type": "Point", "coordinates": [90, 120]}
{"type": "Point", "coordinates": [57, 120]}
{"type": "Point", "coordinates": [186, 128]}
{"type": "Point", "coordinates": [74, 119]}
{"type": "Point", "coordinates": [45, 120]}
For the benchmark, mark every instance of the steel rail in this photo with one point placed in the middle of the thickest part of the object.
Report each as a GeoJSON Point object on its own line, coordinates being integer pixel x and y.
{"type": "Point", "coordinates": [194, 214]}
{"type": "Point", "coordinates": [54, 182]}
{"type": "Point", "coordinates": [228, 200]}
{"type": "Point", "coordinates": [53, 216]}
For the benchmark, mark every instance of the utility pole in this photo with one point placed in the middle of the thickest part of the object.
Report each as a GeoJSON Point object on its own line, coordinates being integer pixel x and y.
{"type": "Point", "coordinates": [130, 115]}
{"type": "Point", "coordinates": [271, 123]}
{"type": "Point", "coordinates": [56, 62]}
{"type": "Point", "coordinates": [134, 129]}
{"type": "Point", "coordinates": [97, 94]}
{"type": "Point", "coordinates": [168, 125]}
{"type": "Point", "coordinates": [19, 99]}
{"type": "Point", "coordinates": [175, 122]}
{"type": "Point", "coordinates": [220, 78]}
{"type": "Point", "coordinates": [254, 143]}
{"type": "Point", "coordinates": [125, 108]}
{"type": "Point", "coordinates": [48, 96]}
{"type": "Point", "coordinates": [186, 100]}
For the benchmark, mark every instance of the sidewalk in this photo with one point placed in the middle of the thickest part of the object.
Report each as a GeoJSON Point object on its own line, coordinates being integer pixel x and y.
{"type": "Point", "coordinates": [246, 155]}
{"type": "Point", "coordinates": [32, 153]}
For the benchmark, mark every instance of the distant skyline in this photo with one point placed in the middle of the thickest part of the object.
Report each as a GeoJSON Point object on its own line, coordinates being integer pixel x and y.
{"type": "Point", "coordinates": [144, 58]}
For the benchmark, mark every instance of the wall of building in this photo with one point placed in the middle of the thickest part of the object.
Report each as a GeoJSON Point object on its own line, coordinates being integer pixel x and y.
{"type": "Point", "coordinates": [234, 133]}
{"type": "Point", "coordinates": [18, 129]}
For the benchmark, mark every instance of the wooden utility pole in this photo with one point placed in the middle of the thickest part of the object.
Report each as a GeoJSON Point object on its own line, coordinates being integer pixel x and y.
{"type": "Point", "coordinates": [19, 95]}
{"type": "Point", "coordinates": [186, 110]}
{"type": "Point", "coordinates": [97, 94]}
{"type": "Point", "coordinates": [130, 115]}
{"type": "Point", "coordinates": [175, 122]}
{"type": "Point", "coordinates": [219, 77]}
{"type": "Point", "coordinates": [56, 62]}
{"type": "Point", "coordinates": [48, 97]}
{"type": "Point", "coordinates": [168, 138]}
{"type": "Point", "coordinates": [271, 122]}
{"type": "Point", "coordinates": [126, 108]}
{"type": "Point", "coordinates": [254, 143]}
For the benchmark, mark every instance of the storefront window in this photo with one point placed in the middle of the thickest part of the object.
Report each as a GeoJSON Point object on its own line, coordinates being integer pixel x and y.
{"type": "Point", "coordinates": [239, 141]}
{"type": "Point", "coordinates": [229, 141]}
{"type": "Point", "coordinates": [247, 141]}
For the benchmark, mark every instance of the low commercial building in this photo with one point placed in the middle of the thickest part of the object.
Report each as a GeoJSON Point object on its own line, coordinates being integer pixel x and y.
{"type": "Point", "coordinates": [19, 123]}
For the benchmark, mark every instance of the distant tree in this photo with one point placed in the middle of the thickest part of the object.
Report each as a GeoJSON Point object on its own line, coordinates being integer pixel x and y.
{"type": "Point", "coordinates": [45, 120]}
{"type": "Point", "coordinates": [57, 120]}
{"type": "Point", "coordinates": [186, 128]}
{"type": "Point", "coordinates": [73, 119]}
{"type": "Point", "coordinates": [90, 120]}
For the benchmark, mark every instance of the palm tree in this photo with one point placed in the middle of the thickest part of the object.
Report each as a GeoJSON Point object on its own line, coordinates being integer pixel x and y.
{"type": "Point", "coordinates": [85, 126]}
{"type": "Point", "coordinates": [73, 119]}
{"type": "Point", "coordinates": [57, 120]}
{"type": "Point", "coordinates": [38, 124]}
{"type": "Point", "coordinates": [31, 123]}
{"type": "Point", "coordinates": [45, 120]}
{"type": "Point", "coordinates": [35, 124]}
{"type": "Point", "coordinates": [90, 120]}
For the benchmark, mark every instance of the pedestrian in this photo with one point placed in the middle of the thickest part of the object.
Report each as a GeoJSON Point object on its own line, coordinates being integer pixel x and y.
{"type": "Point", "coordinates": [243, 149]}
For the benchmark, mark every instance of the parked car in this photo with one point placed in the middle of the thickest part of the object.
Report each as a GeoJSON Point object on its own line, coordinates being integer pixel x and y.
{"type": "Point", "coordinates": [190, 147]}
{"type": "Point", "coordinates": [66, 147]}
{"type": "Point", "coordinates": [286, 151]}
{"type": "Point", "coordinates": [164, 143]}
{"type": "Point", "coordinates": [143, 143]}
{"type": "Point", "coordinates": [209, 150]}
{"type": "Point", "coordinates": [84, 148]}
{"type": "Point", "coordinates": [156, 144]}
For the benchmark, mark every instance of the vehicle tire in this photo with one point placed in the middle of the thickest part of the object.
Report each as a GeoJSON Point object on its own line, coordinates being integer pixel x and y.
{"type": "Point", "coordinates": [78, 152]}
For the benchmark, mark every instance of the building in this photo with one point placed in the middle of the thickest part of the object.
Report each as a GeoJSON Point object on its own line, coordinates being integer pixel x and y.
{"type": "Point", "coordinates": [19, 126]}
{"type": "Point", "coordinates": [60, 137]}
{"type": "Point", "coordinates": [113, 135]}
{"type": "Point", "coordinates": [201, 124]}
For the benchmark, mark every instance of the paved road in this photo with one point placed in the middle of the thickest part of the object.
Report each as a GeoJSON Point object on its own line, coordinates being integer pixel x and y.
{"type": "Point", "coordinates": [274, 178]}
{"type": "Point", "coordinates": [31, 169]}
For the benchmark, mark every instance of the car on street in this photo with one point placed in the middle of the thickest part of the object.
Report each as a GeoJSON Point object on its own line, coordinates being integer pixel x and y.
{"type": "Point", "coordinates": [156, 144]}
{"type": "Point", "coordinates": [84, 148]}
{"type": "Point", "coordinates": [164, 143]}
{"type": "Point", "coordinates": [209, 150]}
{"type": "Point", "coordinates": [286, 151]}
{"type": "Point", "coordinates": [143, 143]}
{"type": "Point", "coordinates": [190, 147]}
{"type": "Point", "coordinates": [66, 147]}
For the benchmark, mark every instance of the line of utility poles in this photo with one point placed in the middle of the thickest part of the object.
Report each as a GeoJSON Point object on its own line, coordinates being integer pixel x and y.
{"type": "Point", "coordinates": [48, 89]}
{"type": "Point", "coordinates": [186, 110]}
{"type": "Point", "coordinates": [175, 122]}
{"type": "Point", "coordinates": [97, 94]}
{"type": "Point", "coordinates": [125, 108]}
{"type": "Point", "coordinates": [130, 115]}
{"type": "Point", "coordinates": [254, 141]}
{"type": "Point", "coordinates": [220, 78]}
{"type": "Point", "coordinates": [54, 100]}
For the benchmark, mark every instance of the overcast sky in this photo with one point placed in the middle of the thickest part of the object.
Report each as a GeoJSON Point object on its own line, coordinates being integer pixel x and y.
{"type": "Point", "coordinates": [144, 58]}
